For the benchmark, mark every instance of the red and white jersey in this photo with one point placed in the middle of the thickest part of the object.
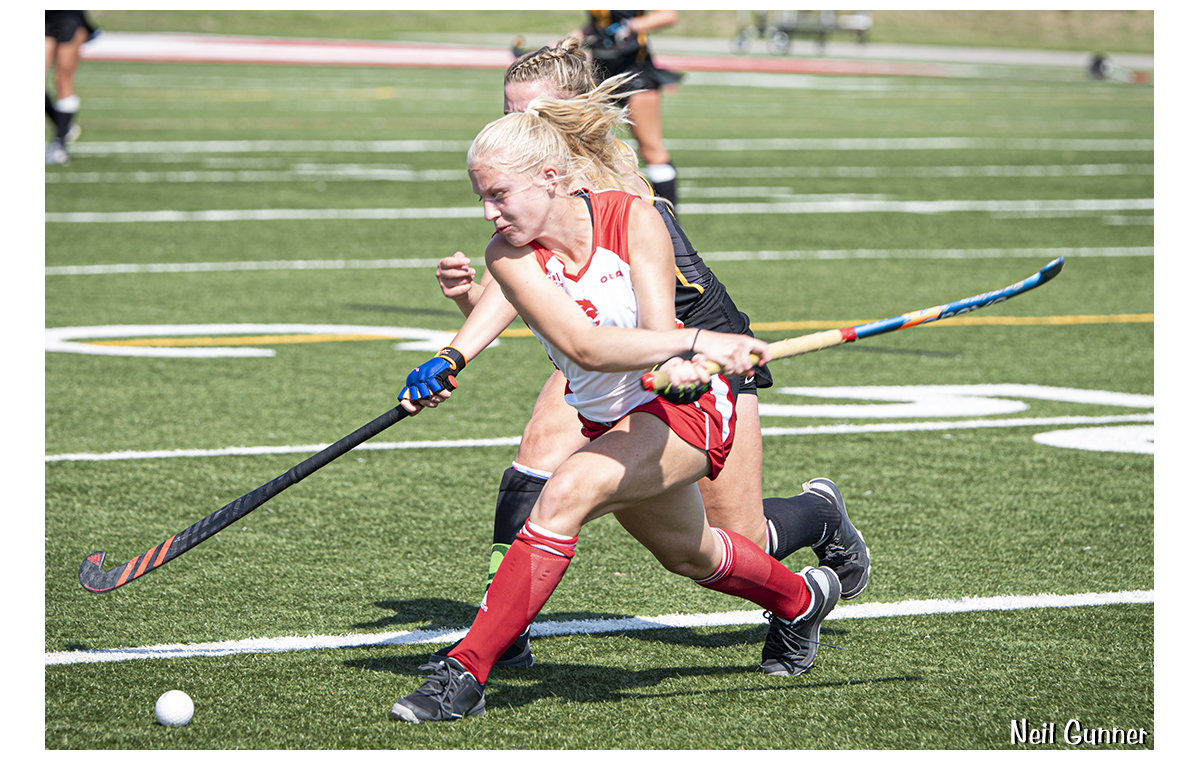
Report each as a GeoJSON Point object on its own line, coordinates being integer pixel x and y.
{"type": "Point", "coordinates": [603, 289]}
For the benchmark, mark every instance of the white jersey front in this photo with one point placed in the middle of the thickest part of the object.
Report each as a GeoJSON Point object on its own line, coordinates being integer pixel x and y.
{"type": "Point", "coordinates": [603, 289]}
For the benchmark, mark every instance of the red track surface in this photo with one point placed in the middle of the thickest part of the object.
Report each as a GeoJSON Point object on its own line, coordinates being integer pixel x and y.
{"type": "Point", "coordinates": [199, 48]}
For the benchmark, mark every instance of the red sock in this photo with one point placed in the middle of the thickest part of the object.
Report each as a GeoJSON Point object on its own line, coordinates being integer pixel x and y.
{"type": "Point", "coordinates": [749, 572]}
{"type": "Point", "coordinates": [529, 573]}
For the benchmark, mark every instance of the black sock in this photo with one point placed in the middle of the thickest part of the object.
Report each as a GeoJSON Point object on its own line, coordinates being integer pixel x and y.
{"type": "Point", "coordinates": [666, 190]}
{"type": "Point", "coordinates": [518, 493]}
{"type": "Point", "coordinates": [62, 121]}
{"type": "Point", "coordinates": [808, 519]}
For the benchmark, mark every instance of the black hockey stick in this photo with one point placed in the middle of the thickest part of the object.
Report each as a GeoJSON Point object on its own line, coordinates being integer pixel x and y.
{"type": "Point", "coordinates": [92, 578]}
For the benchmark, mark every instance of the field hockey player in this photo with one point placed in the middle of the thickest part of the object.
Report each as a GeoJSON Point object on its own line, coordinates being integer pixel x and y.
{"type": "Point", "coordinates": [816, 517]}
{"type": "Point", "coordinates": [592, 274]}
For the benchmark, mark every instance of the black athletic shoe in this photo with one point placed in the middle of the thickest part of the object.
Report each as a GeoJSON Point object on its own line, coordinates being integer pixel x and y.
{"type": "Point", "coordinates": [449, 693]}
{"type": "Point", "coordinates": [791, 648]}
{"type": "Point", "coordinates": [846, 551]}
{"type": "Point", "coordinates": [519, 655]}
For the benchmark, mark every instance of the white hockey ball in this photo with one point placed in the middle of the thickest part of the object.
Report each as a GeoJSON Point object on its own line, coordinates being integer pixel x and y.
{"type": "Point", "coordinates": [174, 708]}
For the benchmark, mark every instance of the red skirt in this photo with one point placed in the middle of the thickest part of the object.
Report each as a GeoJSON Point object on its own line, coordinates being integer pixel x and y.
{"type": "Point", "coordinates": [707, 424]}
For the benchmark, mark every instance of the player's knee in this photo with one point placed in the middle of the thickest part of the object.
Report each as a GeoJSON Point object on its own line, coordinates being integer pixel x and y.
{"type": "Point", "coordinates": [543, 446]}
{"type": "Point", "coordinates": [692, 566]}
{"type": "Point", "coordinates": [563, 502]}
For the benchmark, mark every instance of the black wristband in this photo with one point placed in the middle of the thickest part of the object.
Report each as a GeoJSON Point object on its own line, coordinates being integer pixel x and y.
{"type": "Point", "coordinates": [453, 357]}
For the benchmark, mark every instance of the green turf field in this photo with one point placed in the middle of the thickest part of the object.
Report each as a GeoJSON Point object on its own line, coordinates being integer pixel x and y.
{"type": "Point", "coordinates": [397, 539]}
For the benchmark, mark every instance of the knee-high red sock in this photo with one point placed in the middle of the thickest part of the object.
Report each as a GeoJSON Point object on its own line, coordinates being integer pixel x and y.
{"type": "Point", "coordinates": [749, 572]}
{"type": "Point", "coordinates": [529, 573]}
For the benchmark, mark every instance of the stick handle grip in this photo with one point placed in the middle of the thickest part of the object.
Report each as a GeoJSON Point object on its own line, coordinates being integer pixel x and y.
{"type": "Point", "coordinates": [804, 344]}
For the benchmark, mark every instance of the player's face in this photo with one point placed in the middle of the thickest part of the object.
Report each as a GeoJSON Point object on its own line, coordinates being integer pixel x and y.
{"type": "Point", "coordinates": [517, 204]}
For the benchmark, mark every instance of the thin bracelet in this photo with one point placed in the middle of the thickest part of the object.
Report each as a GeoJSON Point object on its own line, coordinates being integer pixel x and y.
{"type": "Point", "coordinates": [693, 348]}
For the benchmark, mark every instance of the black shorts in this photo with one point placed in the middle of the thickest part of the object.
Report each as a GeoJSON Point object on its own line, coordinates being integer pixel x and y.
{"type": "Point", "coordinates": [646, 76]}
{"type": "Point", "coordinates": [62, 25]}
{"type": "Point", "coordinates": [716, 311]}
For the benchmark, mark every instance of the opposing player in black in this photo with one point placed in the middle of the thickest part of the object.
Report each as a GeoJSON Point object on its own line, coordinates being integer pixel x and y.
{"type": "Point", "coordinates": [66, 31]}
{"type": "Point", "coordinates": [619, 42]}
{"type": "Point", "coordinates": [816, 517]}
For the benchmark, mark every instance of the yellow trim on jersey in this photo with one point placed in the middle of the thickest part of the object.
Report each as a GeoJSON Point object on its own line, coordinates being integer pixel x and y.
{"type": "Point", "coordinates": [684, 282]}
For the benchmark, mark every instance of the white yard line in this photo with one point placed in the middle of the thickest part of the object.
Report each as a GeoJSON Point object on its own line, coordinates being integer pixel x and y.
{"type": "Point", "coordinates": [888, 427]}
{"type": "Point", "coordinates": [924, 172]}
{"type": "Point", "coordinates": [314, 174]}
{"type": "Point", "coordinates": [935, 253]}
{"type": "Point", "coordinates": [177, 147]}
{"type": "Point", "coordinates": [1065, 207]}
{"type": "Point", "coordinates": [772, 145]}
{"type": "Point", "coordinates": [245, 451]}
{"type": "Point", "coordinates": [587, 627]}
{"type": "Point", "coordinates": [266, 215]}
{"type": "Point", "coordinates": [910, 143]}
{"type": "Point", "coordinates": [913, 427]}
{"type": "Point", "coordinates": [361, 173]}
{"type": "Point", "coordinates": [816, 255]}
{"type": "Point", "coordinates": [243, 266]}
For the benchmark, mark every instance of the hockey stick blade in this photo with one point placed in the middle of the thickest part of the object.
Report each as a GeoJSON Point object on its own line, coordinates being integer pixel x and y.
{"type": "Point", "coordinates": [806, 344]}
{"type": "Point", "coordinates": [94, 578]}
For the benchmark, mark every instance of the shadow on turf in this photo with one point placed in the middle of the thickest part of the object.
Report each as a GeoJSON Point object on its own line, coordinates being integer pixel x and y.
{"type": "Point", "coordinates": [515, 687]}
{"type": "Point", "coordinates": [450, 613]}
{"type": "Point", "coordinates": [586, 683]}
{"type": "Point", "coordinates": [442, 613]}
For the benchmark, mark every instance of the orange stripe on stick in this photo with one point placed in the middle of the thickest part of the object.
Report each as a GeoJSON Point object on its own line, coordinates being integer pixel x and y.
{"type": "Point", "coordinates": [166, 545]}
{"type": "Point", "coordinates": [145, 561]}
{"type": "Point", "coordinates": [125, 572]}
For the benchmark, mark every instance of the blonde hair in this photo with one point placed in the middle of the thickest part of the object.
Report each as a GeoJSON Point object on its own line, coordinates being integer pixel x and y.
{"type": "Point", "coordinates": [575, 136]}
{"type": "Point", "coordinates": [565, 67]}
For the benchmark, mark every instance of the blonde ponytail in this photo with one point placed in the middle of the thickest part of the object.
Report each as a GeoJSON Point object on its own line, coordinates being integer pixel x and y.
{"type": "Point", "coordinates": [576, 136]}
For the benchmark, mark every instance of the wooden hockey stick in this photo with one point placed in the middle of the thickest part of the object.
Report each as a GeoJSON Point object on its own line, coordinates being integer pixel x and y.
{"type": "Point", "coordinates": [806, 344]}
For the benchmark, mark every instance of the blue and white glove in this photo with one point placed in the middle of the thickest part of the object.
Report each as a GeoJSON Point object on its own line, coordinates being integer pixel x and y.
{"type": "Point", "coordinates": [618, 31]}
{"type": "Point", "coordinates": [613, 41]}
{"type": "Point", "coordinates": [437, 374]}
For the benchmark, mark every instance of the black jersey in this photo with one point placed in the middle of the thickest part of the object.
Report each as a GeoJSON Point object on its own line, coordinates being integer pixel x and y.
{"type": "Point", "coordinates": [701, 299]}
{"type": "Point", "coordinates": [630, 55]}
{"type": "Point", "coordinates": [618, 54]}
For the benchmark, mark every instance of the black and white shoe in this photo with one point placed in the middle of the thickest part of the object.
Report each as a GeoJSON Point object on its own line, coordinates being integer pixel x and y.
{"type": "Point", "coordinates": [846, 551]}
{"type": "Point", "coordinates": [791, 647]}
{"type": "Point", "coordinates": [449, 693]}
{"type": "Point", "coordinates": [518, 655]}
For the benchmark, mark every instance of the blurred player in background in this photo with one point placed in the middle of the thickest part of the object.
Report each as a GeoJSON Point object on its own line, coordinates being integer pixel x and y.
{"type": "Point", "coordinates": [619, 41]}
{"type": "Point", "coordinates": [66, 31]}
